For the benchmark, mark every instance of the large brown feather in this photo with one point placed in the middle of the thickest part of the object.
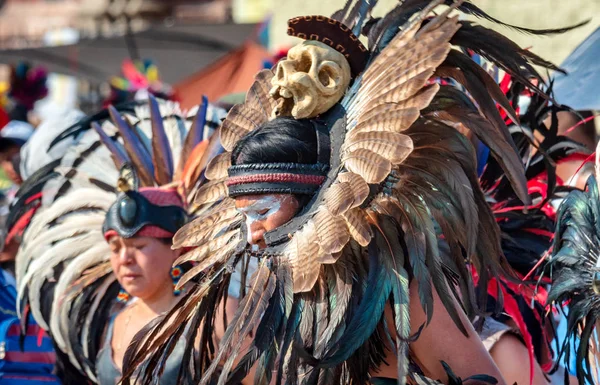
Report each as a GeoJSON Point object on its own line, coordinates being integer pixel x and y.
{"type": "Point", "coordinates": [258, 96]}
{"type": "Point", "coordinates": [301, 252]}
{"type": "Point", "coordinates": [204, 228]}
{"type": "Point", "coordinates": [212, 191]}
{"type": "Point", "coordinates": [246, 318]}
{"type": "Point", "coordinates": [217, 167]}
{"type": "Point", "coordinates": [332, 231]}
{"type": "Point", "coordinates": [420, 100]}
{"type": "Point", "coordinates": [381, 118]}
{"type": "Point", "coordinates": [360, 188]}
{"type": "Point", "coordinates": [390, 145]}
{"type": "Point", "coordinates": [372, 167]}
{"type": "Point", "coordinates": [359, 227]}
{"type": "Point", "coordinates": [162, 158]}
{"type": "Point", "coordinates": [213, 253]}
{"type": "Point", "coordinates": [339, 198]}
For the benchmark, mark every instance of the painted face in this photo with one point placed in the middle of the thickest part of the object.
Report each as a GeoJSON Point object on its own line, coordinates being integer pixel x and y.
{"type": "Point", "coordinates": [142, 265]}
{"type": "Point", "coordinates": [265, 213]}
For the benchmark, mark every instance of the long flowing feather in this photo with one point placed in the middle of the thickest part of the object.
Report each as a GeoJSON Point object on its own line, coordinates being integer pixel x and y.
{"type": "Point", "coordinates": [162, 157]}
{"type": "Point", "coordinates": [138, 154]}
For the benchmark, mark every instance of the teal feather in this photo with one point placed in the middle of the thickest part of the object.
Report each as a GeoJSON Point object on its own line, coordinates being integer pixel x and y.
{"type": "Point", "coordinates": [370, 310]}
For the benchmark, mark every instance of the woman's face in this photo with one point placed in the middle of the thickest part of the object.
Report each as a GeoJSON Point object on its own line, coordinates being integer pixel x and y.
{"type": "Point", "coordinates": [142, 265]}
{"type": "Point", "coordinates": [265, 213]}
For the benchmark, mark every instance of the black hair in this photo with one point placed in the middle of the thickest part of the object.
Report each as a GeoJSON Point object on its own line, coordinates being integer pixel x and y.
{"type": "Point", "coordinates": [16, 163]}
{"type": "Point", "coordinates": [8, 145]}
{"type": "Point", "coordinates": [281, 140]}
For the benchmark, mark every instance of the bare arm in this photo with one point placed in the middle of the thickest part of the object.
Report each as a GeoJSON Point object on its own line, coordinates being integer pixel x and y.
{"type": "Point", "coordinates": [441, 340]}
{"type": "Point", "coordinates": [512, 358]}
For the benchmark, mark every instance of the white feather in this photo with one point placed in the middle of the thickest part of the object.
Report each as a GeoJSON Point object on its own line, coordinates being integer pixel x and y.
{"type": "Point", "coordinates": [42, 268]}
{"type": "Point", "coordinates": [59, 326]}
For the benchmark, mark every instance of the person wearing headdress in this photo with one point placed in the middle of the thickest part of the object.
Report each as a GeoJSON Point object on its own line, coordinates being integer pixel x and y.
{"type": "Point", "coordinates": [573, 268]}
{"type": "Point", "coordinates": [348, 210]}
{"type": "Point", "coordinates": [139, 228]}
{"type": "Point", "coordinates": [27, 86]}
{"type": "Point", "coordinates": [26, 352]}
{"type": "Point", "coordinates": [96, 225]}
{"type": "Point", "coordinates": [520, 338]}
{"type": "Point", "coordinates": [138, 79]}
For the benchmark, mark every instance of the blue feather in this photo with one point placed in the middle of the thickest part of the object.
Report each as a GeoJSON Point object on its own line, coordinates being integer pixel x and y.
{"type": "Point", "coordinates": [370, 310]}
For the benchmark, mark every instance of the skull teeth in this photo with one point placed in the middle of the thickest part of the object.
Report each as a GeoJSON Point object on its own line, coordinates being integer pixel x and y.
{"type": "Point", "coordinates": [285, 93]}
{"type": "Point", "coordinates": [285, 101]}
{"type": "Point", "coordinates": [281, 92]}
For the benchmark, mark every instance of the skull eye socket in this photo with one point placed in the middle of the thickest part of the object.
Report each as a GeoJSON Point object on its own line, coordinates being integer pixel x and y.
{"type": "Point", "coordinates": [304, 63]}
{"type": "Point", "coordinates": [327, 77]}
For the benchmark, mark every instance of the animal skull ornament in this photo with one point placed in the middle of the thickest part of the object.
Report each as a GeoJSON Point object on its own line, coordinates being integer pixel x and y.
{"type": "Point", "coordinates": [311, 80]}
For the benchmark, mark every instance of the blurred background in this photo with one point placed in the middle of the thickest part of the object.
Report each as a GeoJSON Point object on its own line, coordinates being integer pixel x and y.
{"type": "Point", "coordinates": [210, 47]}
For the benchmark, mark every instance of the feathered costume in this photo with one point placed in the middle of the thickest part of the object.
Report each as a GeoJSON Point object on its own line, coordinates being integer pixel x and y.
{"type": "Point", "coordinates": [27, 86]}
{"type": "Point", "coordinates": [394, 172]}
{"type": "Point", "coordinates": [63, 273]}
{"type": "Point", "coordinates": [527, 232]}
{"type": "Point", "coordinates": [574, 268]}
{"type": "Point", "coordinates": [138, 78]}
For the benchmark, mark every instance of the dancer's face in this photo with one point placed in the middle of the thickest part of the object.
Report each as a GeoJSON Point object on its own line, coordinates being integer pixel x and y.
{"type": "Point", "coordinates": [265, 213]}
{"type": "Point", "coordinates": [142, 265]}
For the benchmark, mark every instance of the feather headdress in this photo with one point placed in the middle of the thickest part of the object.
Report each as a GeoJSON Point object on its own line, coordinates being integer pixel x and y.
{"type": "Point", "coordinates": [400, 172]}
{"type": "Point", "coordinates": [574, 268]}
{"type": "Point", "coordinates": [65, 279]}
{"type": "Point", "coordinates": [527, 232]}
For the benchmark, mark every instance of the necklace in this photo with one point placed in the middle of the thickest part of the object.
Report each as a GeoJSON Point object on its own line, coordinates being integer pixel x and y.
{"type": "Point", "coordinates": [127, 320]}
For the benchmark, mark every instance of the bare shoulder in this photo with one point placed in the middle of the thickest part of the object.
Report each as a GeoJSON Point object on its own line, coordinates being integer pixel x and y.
{"type": "Point", "coordinates": [508, 350]}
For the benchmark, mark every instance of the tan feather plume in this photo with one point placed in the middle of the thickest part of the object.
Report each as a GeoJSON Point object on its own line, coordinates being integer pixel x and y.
{"type": "Point", "coordinates": [339, 198]}
{"type": "Point", "coordinates": [372, 167]}
{"type": "Point", "coordinates": [390, 145]}
{"type": "Point", "coordinates": [378, 119]}
{"type": "Point", "coordinates": [400, 40]}
{"type": "Point", "coordinates": [301, 252]}
{"type": "Point", "coordinates": [360, 188]}
{"type": "Point", "coordinates": [358, 225]}
{"type": "Point", "coordinates": [205, 228]}
{"type": "Point", "coordinates": [240, 120]}
{"type": "Point", "coordinates": [211, 192]}
{"type": "Point", "coordinates": [332, 231]}
{"type": "Point", "coordinates": [420, 100]}
{"type": "Point", "coordinates": [231, 133]}
{"type": "Point", "coordinates": [258, 96]}
{"type": "Point", "coordinates": [416, 60]}
{"type": "Point", "coordinates": [217, 167]}
{"type": "Point", "coordinates": [204, 251]}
